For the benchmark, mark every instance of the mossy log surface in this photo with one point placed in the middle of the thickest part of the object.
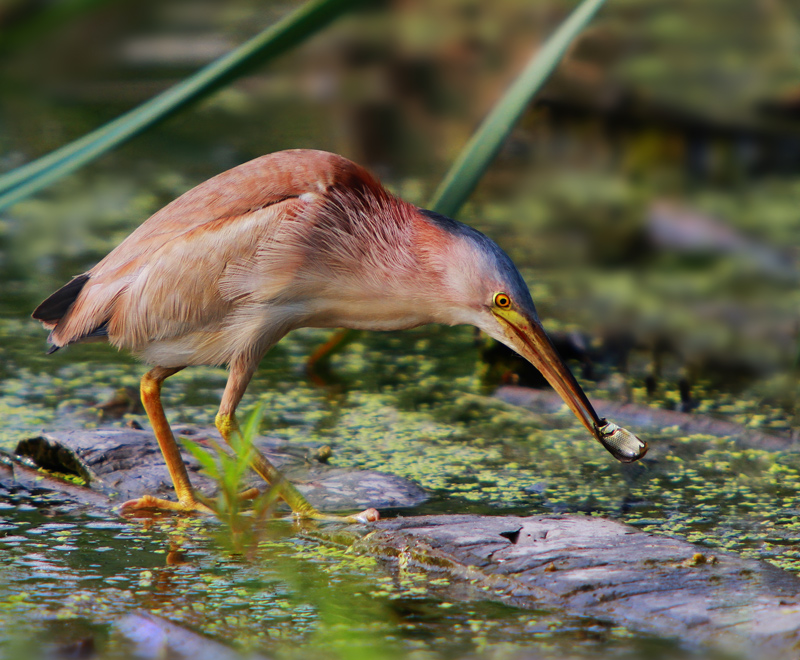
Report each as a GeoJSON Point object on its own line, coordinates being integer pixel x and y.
{"type": "Point", "coordinates": [124, 463]}
{"type": "Point", "coordinates": [598, 568]}
{"type": "Point", "coordinates": [639, 418]}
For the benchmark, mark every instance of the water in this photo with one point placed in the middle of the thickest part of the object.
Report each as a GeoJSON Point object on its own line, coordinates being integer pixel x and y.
{"type": "Point", "coordinates": [572, 212]}
{"type": "Point", "coordinates": [418, 410]}
{"type": "Point", "coordinates": [70, 576]}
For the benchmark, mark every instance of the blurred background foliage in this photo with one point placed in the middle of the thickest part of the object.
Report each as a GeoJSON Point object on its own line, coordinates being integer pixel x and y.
{"type": "Point", "coordinates": [649, 193]}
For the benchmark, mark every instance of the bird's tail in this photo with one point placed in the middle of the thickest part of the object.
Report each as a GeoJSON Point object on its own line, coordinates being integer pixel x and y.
{"type": "Point", "coordinates": [52, 310]}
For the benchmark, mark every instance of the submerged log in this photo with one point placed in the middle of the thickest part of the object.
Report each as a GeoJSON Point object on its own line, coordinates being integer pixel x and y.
{"type": "Point", "coordinates": [599, 568]}
{"type": "Point", "coordinates": [124, 463]}
{"type": "Point", "coordinates": [154, 638]}
{"type": "Point", "coordinates": [640, 418]}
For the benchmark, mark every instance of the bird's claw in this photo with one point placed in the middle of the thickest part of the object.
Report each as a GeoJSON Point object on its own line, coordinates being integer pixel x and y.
{"type": "Point", "coordinates": [150, 503]}
{"type": "Point", "coordinates": [367, 516]}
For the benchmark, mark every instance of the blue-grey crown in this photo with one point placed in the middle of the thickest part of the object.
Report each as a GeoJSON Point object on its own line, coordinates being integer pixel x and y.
{"type": "Point", "coordinates": [506, 270]}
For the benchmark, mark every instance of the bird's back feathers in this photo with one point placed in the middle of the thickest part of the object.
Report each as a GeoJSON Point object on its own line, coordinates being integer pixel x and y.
{"type": "Point", "coordinates": [187, 267]}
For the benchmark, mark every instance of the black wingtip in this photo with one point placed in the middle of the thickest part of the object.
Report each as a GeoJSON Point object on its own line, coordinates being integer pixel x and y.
{"type": "Point", "coordinates": [54, 308]}
{"type": "Point", "coordinates": [52, 349]}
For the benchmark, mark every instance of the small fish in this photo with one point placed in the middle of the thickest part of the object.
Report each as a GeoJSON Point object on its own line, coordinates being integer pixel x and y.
{"type": "Point", "coordinates": [622, 444]}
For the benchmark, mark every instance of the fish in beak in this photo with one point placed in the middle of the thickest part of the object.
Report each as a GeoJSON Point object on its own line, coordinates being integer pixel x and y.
{"type": "Point", "coordinates": [527, 337]}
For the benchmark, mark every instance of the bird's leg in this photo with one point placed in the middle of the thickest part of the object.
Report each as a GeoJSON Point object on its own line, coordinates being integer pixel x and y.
{"type": "Point", "coordinates": [322, 354]}
{"type": "Point", "coordinates": [226, 423]}
{"type": "Point", "coordinates": [151, 398]}
{"type": "Point", "coordinates": [228, 426]}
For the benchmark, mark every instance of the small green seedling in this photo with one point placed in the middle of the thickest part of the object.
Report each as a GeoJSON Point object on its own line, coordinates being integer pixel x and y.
{"type": "Point", "coordinates": [243, 512]}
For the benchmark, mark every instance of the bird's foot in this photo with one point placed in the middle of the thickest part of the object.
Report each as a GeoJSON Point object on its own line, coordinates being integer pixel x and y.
{"type": "Point", "coordinates": [366, 516]}
{"type": "Point", "coordinates": [249, 494]}
{"type": "Point", "coordinates": [150, 503]}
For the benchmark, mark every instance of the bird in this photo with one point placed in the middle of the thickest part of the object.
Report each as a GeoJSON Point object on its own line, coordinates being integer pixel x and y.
{"type": "Point", "coordinates": [292, 239]}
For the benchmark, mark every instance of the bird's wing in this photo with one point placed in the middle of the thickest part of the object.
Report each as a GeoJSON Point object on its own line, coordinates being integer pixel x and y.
{"type": "Point", "coordinates": [164, 279]}
{"type": "Point", "coordinates": [238, 192]}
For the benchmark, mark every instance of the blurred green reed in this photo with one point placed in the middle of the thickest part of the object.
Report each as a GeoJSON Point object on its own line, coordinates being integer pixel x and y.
{"type": "Point", "coordinates": [276, 39]}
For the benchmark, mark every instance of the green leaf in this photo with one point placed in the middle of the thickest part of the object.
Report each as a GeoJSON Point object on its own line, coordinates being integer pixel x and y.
{"type": "Point", "coordinates": [203, 456]}
{"type": "Point", "coordinates": [282, 36]}
{"type": "Point", "coordinates": [231, 474]}
{"type": "Point", "coordinates": [250, 430]}
{"type": "Point", "coordinates": [477, 155]}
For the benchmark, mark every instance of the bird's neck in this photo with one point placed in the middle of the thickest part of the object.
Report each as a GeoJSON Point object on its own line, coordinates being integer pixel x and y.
{"type": "Point", "coordinates": [377, 312]}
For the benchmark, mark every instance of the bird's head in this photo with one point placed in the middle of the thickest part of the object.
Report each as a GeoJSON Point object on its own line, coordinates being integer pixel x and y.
{"type": "Point", "coordinates": [485, 289]}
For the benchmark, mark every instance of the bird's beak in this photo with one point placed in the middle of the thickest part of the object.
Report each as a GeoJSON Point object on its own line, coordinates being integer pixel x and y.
{"type": "Point", "coordinates": [528, 338]}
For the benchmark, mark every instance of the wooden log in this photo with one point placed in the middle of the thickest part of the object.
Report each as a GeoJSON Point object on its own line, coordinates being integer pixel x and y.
{"type": "Point", "coordinates": [124, 463]}
{"type": "Point", "coordinates": [599, 568]}
{"type": "Point", "coordinates": [639, 418]}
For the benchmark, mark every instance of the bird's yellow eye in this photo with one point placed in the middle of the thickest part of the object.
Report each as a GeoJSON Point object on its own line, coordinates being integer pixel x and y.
{"type": "Point", "coordinates": [502, 300]}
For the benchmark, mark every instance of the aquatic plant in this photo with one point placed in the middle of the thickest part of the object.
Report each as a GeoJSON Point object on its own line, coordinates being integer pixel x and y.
{"type": "Point", "coordinates": [243, 513]}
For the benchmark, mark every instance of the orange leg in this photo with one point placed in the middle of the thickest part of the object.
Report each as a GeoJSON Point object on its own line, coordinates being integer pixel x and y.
{"type": "Point", "coordinates": [323, 353]}
{"type": "Point", "coordinates": [151, 398]}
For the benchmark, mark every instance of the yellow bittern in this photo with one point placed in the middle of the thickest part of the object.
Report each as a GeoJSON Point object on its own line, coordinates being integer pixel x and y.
{"type": "Point", "coordinates": [295, 239]}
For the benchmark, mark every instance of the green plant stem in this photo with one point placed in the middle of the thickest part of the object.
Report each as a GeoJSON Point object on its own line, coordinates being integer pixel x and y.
{"type": "Point", "coordinates": [477, 155]}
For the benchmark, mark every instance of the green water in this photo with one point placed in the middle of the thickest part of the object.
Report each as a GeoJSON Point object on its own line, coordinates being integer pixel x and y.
{"type": "Point", "coordinates": [72, 576]}
{"type": "Point", "coordinates": [570, 210]}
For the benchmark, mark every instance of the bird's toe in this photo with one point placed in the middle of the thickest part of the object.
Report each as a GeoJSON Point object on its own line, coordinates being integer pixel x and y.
{"type": "Point", "coordinates": [148, 503]}
{"type": "Point", "coordinates": [367, 516]}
